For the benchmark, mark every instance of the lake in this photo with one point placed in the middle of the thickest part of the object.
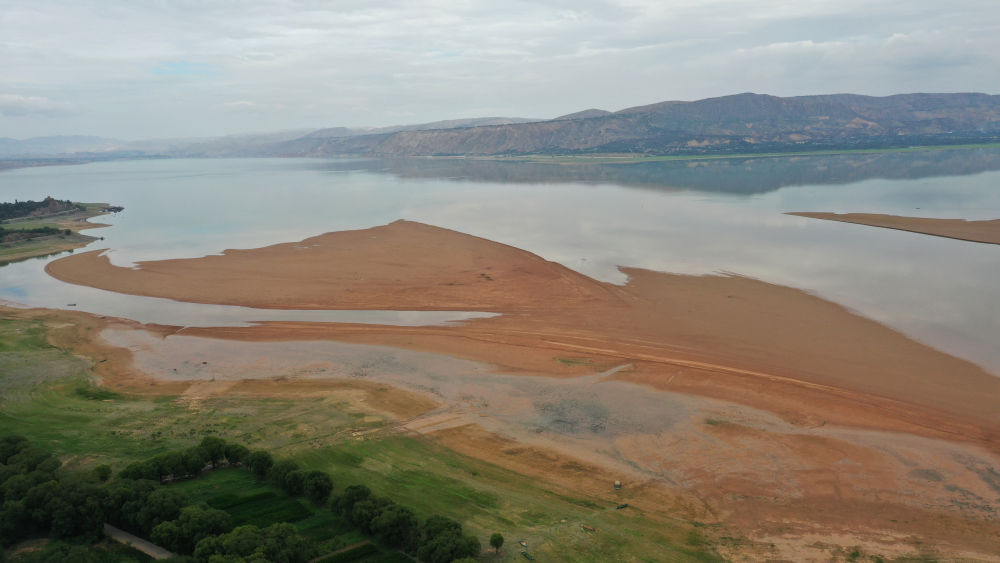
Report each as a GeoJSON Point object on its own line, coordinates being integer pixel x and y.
{"type": "Point", "coordinates": [691, 217]}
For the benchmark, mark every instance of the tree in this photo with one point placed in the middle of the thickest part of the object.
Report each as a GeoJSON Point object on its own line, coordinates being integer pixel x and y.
{"type": "Point", "coordinates": [343, 505]}
{"type": "Point", "coordinates": [295, 482]}
{"type": "Point", "coordinates": [102, 472]}
{"type": "Point", "coordinates": [280, 470]}
{"type": "Point", "coordinates": [11, 446]}
{"type": "Point", "coordinates": [161, 505]}
{"type": "Point", "coordinates": [317, 486]}
{"type": "Point", "coordinates": [496, 541]}
{"type": "Point", "coordinates": [259, 462]}
{"type": "Point", "coordinates": [215, 449]}
{"type": "Point", "coordinates": [236, 453]}
{"type": "Point", "coordinates": [396, 526]}
{"type": "Point", "coordinates": [195, 523]}
{"type": "Point", "coordinates": [193, 461]}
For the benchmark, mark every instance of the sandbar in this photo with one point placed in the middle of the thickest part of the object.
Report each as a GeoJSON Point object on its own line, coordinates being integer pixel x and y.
{"type": "Point", "coordinates": [974, 231]}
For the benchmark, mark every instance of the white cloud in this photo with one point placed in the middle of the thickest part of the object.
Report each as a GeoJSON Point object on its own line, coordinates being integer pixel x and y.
{"type": "Point", "coordinates": [13, 105]}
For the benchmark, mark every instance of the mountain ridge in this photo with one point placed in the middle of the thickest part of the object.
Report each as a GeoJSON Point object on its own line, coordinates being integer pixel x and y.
{"type": "Point", "coordinates": [738, 123]}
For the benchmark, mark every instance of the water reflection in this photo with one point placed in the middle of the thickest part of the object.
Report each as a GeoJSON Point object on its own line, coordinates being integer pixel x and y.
{"type": "Point", "coordinates": [732, 175]}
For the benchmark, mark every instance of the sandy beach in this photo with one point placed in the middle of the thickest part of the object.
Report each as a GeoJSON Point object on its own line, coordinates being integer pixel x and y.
{"type": "Point", "coordinates": [975, 231]}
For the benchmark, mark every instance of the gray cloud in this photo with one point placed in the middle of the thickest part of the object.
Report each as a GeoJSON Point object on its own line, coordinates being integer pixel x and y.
{"type": "Point", "coordinates": [148, 68]}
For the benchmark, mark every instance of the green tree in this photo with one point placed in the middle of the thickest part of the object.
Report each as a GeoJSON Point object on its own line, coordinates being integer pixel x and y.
{"type": "Point", "coordinates": [343, 505]}
{"type": "Point", "coordinates": [11, 446]}
{"type": "Point", "coordinates": [496, 541]}
{"type": "Point", "coordinates": [396, 526]}
{"type": "Point", "coordinates": [259, 462]}
{"type": "Point", "coordinates": [215, 449]}
{"type": "Point", "coordinates": [102, 473]}
{"type": "Point", "coordinates": [195, 523]}
{"type": "Point", "coordinates": [280, 470]}
{"type": "Point", "coordinates": [161, 505]}
{"type": "Point", "coordinates": [295, 482]}
{"type": "Point", "coordinates": [317, 486]}
{"type": "Point", "coordinates": [236, 453]}
{"type": "Point", "coordinates": [193, 461]}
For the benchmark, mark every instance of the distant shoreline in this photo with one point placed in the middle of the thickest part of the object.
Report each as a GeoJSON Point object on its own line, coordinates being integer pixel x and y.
{"type": "Point", "coordinates": [53, 244]}
{"type": "Point", "coordinates": [597, 158]}
{"type": "Point", "coordinates": [634, 159]}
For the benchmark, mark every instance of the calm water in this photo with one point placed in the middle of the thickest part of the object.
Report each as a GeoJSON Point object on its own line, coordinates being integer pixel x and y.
{"type": "Point", "coordinates": [686, 217]}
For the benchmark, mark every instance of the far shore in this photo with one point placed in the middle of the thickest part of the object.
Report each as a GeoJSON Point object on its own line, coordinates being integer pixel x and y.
{"type": "Point", "coordinates": [53, 244]}
{"type": "Point", "coordinates": [987, 232]}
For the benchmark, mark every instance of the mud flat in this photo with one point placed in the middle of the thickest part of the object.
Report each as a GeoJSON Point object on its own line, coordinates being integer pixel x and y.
{"type": "Point", "coordinates": [772, 411]}
{"type": "Point", "coordinates": [975, 231]}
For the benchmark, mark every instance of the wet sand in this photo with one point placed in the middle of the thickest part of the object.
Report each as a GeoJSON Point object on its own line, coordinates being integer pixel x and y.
{"type": "Point", "coordinates": [975, 231]}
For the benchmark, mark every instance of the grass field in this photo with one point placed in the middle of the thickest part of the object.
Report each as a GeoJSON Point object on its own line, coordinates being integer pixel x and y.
{"type": "Point", "coordinates": [48, 396]}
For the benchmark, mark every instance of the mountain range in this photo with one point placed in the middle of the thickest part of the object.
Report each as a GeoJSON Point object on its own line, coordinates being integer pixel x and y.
{"type": "Point", "coordinates": [735, 124]}
{"type": "Point", "coordinates": [741, 123]}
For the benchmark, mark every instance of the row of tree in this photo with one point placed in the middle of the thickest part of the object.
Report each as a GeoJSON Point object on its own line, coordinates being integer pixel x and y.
{"type": "Point", "coordinates": [437, 540]}
{"type": "Point", "coordinates": [38, 499]}
{"type": "Point", "coordinates": [19, 209]}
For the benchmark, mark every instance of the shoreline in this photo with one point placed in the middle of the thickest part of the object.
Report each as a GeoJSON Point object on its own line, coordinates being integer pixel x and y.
{"type": "Point", "coordinates": [54, 244]}
{"type": "Point", "coordinates": [985, 231]}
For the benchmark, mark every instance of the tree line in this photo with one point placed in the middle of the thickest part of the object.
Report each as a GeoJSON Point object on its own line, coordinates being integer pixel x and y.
{"type": "Point", "coordinates": [38, 499]}
{"type": "Point", "coordinates": [19, 209]}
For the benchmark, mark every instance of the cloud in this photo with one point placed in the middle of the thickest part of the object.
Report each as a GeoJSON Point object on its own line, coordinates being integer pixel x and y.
{"type": "Point", "coordinates": [184, 68]}
{"type": "Point", "coordinates": [249, 105]}
{"type": "Point", "coordinates": [13, 105]}
{"type": "Point", "coordinates": [201, 68]}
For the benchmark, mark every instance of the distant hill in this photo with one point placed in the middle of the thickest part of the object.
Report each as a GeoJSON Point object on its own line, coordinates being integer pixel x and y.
{"type": "Point", "coordinates": [446, 124]}
{"type": "Point", "coordinates": [585, 114]}
{"type": "Point", "coordinates": [733, 124]}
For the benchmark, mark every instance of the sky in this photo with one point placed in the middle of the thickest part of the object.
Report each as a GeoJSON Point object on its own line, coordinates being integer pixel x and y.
{"type": "Point", "coordinates": [159, 68]}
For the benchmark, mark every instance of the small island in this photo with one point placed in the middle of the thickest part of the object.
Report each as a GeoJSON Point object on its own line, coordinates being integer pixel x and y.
{"type": "Point", "coordinates": [30, 229]}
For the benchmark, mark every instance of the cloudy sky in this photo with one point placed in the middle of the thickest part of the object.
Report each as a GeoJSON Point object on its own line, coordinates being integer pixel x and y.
{"type": "Point", "coordinates": [155, 68]}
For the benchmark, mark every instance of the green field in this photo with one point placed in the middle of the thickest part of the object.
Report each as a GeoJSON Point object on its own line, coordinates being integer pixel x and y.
{"type": "Point", "coordinates": [48, 396]}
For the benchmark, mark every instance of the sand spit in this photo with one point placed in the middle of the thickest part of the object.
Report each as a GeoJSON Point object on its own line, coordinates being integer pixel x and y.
{"type": "Point", "coordinates": [401, 266]}
{"type": "Point", "coordinates": [975, 231]}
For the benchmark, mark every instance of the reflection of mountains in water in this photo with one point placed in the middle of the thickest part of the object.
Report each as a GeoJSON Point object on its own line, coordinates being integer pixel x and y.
{"type": "Point", "coordinates": [732, 175]}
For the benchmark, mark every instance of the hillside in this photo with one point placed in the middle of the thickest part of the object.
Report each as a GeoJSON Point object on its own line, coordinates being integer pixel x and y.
{"type": "Point", "coordinates": [738, 123]}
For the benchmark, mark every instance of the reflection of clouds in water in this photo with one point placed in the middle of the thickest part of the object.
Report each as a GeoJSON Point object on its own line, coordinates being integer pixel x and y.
{"type": "Point", "coordinates": [935, 289]}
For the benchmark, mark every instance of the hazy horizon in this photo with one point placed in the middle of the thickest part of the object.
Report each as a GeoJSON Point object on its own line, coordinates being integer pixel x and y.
{"type": "Point", "coordinates": [141, 70]}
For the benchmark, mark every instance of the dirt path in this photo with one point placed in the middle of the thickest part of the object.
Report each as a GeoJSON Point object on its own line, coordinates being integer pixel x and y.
{"type": "Point", "coordinates": [147, 547]}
